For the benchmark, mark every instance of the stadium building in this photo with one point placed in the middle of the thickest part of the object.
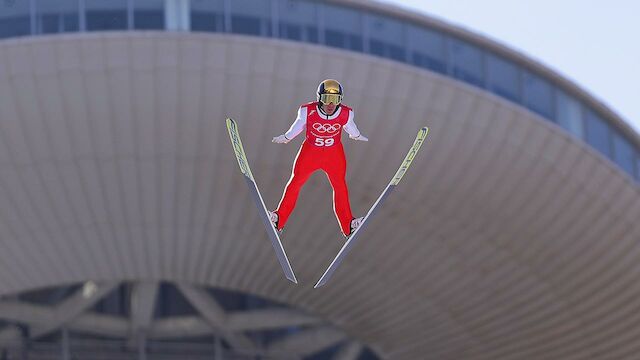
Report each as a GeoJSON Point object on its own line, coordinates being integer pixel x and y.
{"type": "Point", "coordinates": [127, 231]}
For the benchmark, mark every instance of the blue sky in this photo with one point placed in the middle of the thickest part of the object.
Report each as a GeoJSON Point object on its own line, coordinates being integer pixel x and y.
{"type": "Point", "coordinates": [596, 44]}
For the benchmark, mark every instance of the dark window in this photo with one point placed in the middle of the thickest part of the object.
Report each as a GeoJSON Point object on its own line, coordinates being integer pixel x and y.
{"type": "Point", "coordinates": [106, 15]}
{"type": "Point", "coordinates": [115, 303]}
{"type": "Point", "coordinates": [427, 49]}
{"type": "Point", "coordinates": [343, 40]}
{"type": "Point", "coordinates": [569, 114]}
{"type": "Point", "coordinates": [299, 33]}
{"type": "Point", "coordinates": [57, 16]}
{"type": "Point", "coordinates": [246, 25]}
{"type": "Point", "coordinates": [367, 355]}
{"type": "Point", "coordinates": [467, 62]}
{"type": "Point", "coordinates": [251, 17]}
{"type": "Point", "coordinates": [386, 37]}
{"type": "Point", "coordinates": [298, 20]}
{"type": "Point", "coordinates": [206, 22]}
{"type": "Point", "coordinates": [623, 153]}
{"type": "Point", "coordinates": [331, 352]}
{"type": "Point", "coordinates": [15, 19]}
{"type": "Point", "coordinates": [290, 31]}
{"type": "Point", "coordinates": [335, 38]}
{"type": "Point", "coordinates": [207, 15]}
{"type": "Point", "coordinates": [343, 27]}
{"type": "Point", "coordinates": [503, 77]}
{"type": "Point", "coordinates": [598, 133]}
{"type": "Point", "coordinates": [58, 23]}
{"type": "Point", "coordinates": [396, 53]}
{"type": "Point", "coordinates": [538, 95]}
{"type": "Point", "coordinates": [148, 20]}
{"type": "Point", "coordinates": [170, 302]}
{"type": "Point", "coordinates": [313, 34]}
{"type": "Point", "coordinates": [355, 42]}
{"type": "Point", "coordinates": [148, 14]}
{"type": "Point", "coordinates": [377, 47]}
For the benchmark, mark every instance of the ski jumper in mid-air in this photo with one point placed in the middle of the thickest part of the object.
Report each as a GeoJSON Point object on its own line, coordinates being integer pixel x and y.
{"type": "Point", "coordinates": [322, 121]}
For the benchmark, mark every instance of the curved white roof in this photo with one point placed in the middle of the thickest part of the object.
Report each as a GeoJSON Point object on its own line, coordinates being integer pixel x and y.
{"type": "Point", "coordinates": [508, 238]}
{"type": "Point", "coordinates": [501, 49]}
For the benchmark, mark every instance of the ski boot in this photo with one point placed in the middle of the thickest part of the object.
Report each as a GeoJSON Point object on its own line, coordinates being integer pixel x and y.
{"type": "Point", "coordinates": [273, 217]}
{"type": "Point", "coordinates": [355, 224]}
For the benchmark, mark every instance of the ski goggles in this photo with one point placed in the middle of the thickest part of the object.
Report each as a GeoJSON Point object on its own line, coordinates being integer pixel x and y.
{"type": "Point", "coordinates": [330, 98]}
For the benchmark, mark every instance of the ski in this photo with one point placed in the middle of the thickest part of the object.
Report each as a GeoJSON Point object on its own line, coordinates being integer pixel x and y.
{"type": "Point", "coordinates": [422, 134]}
{"type": "Point", "coordinates": [253, 187]}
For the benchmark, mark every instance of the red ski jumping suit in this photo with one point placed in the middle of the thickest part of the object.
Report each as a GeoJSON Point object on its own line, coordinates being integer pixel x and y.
{"type": "Point", "coordinates": [321, 149]}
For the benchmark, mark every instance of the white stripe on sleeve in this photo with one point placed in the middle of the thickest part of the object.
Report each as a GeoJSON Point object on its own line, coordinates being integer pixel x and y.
{"type": "Point", "coordinates": [298, 125]}
{"type": "Point", "coordinates": [350, 127]}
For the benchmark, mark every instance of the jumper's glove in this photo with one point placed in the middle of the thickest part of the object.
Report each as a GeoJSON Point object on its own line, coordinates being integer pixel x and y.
{"type": "Point", "coordinates": [359, 137]}
{"type": "Point", "coordinates": [280, 139]}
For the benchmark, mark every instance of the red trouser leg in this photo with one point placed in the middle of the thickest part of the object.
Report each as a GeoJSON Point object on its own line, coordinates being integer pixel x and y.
{"type": "Point", "coordinates": [304, 165]}
{"type": "Point", "coordinates": [336, 170]}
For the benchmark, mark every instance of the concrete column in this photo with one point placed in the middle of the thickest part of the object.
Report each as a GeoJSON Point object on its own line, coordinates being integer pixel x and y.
{"type": "Point", "coordinates": [218, 353]}
{"type": "Point", "coordinates": [66, 354]}
{"type": "Point", "coordinates": [142, 346]}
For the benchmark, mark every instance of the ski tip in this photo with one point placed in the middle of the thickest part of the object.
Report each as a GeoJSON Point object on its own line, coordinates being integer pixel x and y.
{"type": "Point", "coordinates": [293, 279]}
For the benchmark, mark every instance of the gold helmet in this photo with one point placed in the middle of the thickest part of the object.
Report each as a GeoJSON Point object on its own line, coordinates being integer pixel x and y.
{"type": "Point", "coordinates": [330, 91]}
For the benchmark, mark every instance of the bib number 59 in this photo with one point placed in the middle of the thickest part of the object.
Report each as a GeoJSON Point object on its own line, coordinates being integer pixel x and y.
{"type": "Point", "coordinates": [324, 142]}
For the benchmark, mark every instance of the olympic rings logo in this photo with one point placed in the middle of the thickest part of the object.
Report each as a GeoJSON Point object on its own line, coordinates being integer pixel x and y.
{"type": "Point", "coordinates": [326, 128]}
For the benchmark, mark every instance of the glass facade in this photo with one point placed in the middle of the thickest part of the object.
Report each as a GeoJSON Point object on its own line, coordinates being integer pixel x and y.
{"type": "Point", "coordinates": [148, 14]}
{"type": "Point", "coordinates": [569, 114]}
{"type": "Point", "coordinates": [298, 20]}
{"type": "Point", "coordinates": [251, 17]}
{"type": "Point", "coordinates": [104, 15]}
{"type": "Point", "coordinates": [170, 304]}
{"type": "Point", "coordinates": [503, 78]}
{"type": "Point", "coordinates": [598, 133]}
{"type": "Point", "coordinates": [467, 62]}
{"type": "Point", "coordinates": [346, 27]}
{"type": "Point", "coordinates": [427, 49]}
{"type": "Point", "coordinates": [207, 15]}
{"type": "Point", "coordinates": [56, 17]}
{"type": "Point", "coordinates": [538, 95]}
{"type": "Point", "coordinates": [342, 27]}
{"type": "Point", "coordinates": [623, 153]}
{"type": "Point", "coordinates": [15, 18]}
{"type": "Point", "coordinates": [386, 37]}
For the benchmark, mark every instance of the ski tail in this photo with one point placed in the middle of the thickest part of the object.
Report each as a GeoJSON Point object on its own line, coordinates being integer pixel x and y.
{"type": "Point", "coordinates": [238, 149]}
{"type": "Point", "coordinates": [406, 163]}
